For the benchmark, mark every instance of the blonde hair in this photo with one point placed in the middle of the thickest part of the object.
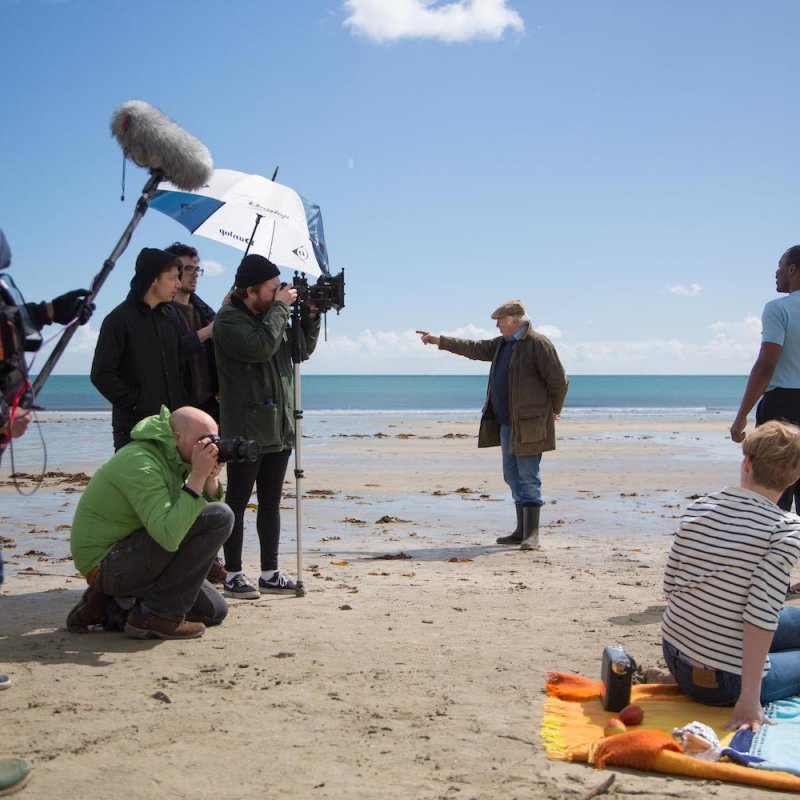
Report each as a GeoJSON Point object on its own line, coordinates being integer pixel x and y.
{"type": "Point", "coordinates": [774, 450]}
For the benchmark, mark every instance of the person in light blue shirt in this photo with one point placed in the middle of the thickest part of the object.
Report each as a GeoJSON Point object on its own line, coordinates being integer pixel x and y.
{"type": "Point", "coordinates": [775, 376]}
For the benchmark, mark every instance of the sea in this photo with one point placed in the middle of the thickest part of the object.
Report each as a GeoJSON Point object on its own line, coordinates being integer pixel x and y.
{"type": "Point", "coordinates": [589, 397]}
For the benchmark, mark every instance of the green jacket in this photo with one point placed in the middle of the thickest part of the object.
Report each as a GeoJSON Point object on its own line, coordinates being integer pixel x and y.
{"type": "Point", "coordinates": [256, 374]}
{"type": "Point", "coordinates": [537, 387]}
{"type": "Point", "coordinates": [138, 487]}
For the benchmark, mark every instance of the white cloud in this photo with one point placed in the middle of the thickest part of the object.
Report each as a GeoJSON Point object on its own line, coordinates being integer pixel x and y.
{"type": "Point", "coordinates": [351, 163]}
{"type": "Point", "coordinates": [213, 268]}
{"type": "Point", "coordinates": [726, 348]}
{"type": "Point", "coordinates": [730, 348]}
{"type": "Point", "coordinates": [461, 21]}
{"type": "Point", "coordinates": [692, 290]}
{"type": "Point", "coordinates": [550, 331]}
{"type": "Point", "coordinates": [77, 358]}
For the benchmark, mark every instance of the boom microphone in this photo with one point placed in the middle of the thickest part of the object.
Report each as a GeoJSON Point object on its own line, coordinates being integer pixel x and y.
{"type": "Point", "coordinates": [153, 141]}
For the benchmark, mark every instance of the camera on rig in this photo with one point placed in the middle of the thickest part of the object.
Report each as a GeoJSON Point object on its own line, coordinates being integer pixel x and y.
{"type": "Point", "coordinates": [234, 449]}
{"type": "Point", "coordinates": [326, 294]}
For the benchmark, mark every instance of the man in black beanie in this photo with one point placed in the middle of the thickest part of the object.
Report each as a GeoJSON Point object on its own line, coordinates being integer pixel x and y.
{"type": "Point", "coordinates": [137, 365]}
{"type": "Point", "coordinates": [256, 397]}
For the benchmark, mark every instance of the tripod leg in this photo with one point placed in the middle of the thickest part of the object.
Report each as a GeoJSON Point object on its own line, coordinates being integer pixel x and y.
{"type": "Point", "coordinates": [298, 478]}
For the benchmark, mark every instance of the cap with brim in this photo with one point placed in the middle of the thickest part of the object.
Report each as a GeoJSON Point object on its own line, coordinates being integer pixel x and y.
{"type": "Point", "coordinates": [513, 308]}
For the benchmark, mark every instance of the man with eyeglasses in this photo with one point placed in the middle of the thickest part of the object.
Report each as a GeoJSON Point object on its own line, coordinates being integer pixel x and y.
{"type": "Point", "coordinates": [197, 322]}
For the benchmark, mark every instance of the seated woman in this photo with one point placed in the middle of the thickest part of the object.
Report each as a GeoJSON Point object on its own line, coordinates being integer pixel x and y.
{"type": "Point", "coordinates": [727, 639]}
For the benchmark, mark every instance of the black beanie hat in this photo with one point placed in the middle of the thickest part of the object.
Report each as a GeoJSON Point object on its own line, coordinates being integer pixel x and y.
{"type": "Point", "coordinates": [150, 263]}
{"type": "Point", "coordinates": [253, 270]}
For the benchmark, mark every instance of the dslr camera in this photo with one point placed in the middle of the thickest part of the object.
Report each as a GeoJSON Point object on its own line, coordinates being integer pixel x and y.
{"type": "Point", "coordinates": [327, 293]}
{"type": "Point", "coordinates": [234, 449]}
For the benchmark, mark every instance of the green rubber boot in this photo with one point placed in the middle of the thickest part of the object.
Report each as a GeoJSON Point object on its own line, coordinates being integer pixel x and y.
{"type": "Point", "coordinates": [14, 774]}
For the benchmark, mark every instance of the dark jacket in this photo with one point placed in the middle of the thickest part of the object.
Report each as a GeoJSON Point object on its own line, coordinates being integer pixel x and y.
{"type": "Point", "coordinates": [537, 387]}
{"type": "Point", "coordinates": [137, 365]}
{"type": "Point", "coordinates": [256, 374]}
{"type": "Point", "coordinates": [191, 345]}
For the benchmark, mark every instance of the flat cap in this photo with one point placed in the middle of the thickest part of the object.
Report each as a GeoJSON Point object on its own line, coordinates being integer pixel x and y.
{"type": "Point", "coordinates": [513, 308]}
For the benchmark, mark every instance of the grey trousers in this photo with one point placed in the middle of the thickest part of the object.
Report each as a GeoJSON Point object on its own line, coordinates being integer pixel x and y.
{"type": "Point", "coordinates": [168, 583]}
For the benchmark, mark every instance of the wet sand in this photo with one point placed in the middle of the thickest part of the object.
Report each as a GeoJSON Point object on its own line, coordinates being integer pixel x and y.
{"type": "Point", "coordinates": [414, 666]}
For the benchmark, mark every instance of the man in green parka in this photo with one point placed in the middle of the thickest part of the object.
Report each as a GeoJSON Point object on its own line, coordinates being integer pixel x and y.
{"type": "Point", "coordinates": [256, 398]}
{"type": "Point", "coordinates": [149, 524]}
{"type": "Point", "coordinates": [526, 392]}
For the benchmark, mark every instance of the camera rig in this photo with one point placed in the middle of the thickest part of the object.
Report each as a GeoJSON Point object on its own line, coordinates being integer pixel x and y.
{"type": "Point", "coordinates": [18, 335]}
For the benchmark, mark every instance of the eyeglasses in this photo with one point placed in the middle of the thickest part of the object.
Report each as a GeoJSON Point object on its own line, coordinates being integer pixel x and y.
{"type": "Point", "coordinates": [194, 271]}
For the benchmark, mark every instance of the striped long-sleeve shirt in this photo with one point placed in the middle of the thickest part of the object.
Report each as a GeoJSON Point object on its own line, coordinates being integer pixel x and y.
{"type": "Point", "coordinates": [730, 563]}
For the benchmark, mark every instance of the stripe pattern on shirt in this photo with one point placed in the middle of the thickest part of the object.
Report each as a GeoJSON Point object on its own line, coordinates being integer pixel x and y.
{"type": "Point", "coordinates": [730, 563]}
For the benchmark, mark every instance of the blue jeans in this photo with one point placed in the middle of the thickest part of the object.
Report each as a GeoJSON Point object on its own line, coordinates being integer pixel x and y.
{"type": "Point", "coordinates": [521, 473]}
{"type": "Point", "coordinates": [720, 688]}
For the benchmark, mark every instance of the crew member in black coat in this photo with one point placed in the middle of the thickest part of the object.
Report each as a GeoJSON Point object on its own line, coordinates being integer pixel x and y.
{"type": "Point", "coordinates": [137, 365]}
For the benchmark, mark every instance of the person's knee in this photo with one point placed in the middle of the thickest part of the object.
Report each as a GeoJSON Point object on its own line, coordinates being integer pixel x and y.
{"type": "Point", "coordinates": [219, 518]}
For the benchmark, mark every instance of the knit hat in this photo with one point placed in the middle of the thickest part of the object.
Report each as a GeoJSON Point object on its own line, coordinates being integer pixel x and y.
{"type": "Point", "coordinates": [150, 263]}
{"type": "Point", "coordinates": [513, 308]}
{"type": "Point", "coordinates": [253, 270]}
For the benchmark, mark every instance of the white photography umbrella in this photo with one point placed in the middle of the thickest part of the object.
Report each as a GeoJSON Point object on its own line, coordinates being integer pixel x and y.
{"type": "Point", "coordinates": [249, 212]}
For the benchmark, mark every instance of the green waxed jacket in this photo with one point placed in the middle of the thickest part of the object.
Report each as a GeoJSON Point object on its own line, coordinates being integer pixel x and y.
{"type": "Point", "coordinates": [256, 374]}
{"type": "Point", "coordinates": [537, 386]}
{"type": "Point", "coordinates": [138, 487]}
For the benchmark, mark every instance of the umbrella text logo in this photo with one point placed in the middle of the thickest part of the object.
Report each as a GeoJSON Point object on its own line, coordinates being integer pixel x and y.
{"type": "Point", "coordinates": [264, 211]}
{"type": "Point", "coordinates": [301, 253]}
{"type": "Point", "coordinates": [231, 235]}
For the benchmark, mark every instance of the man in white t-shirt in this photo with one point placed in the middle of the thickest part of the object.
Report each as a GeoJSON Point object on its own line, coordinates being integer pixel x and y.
{"type": "Point", "coordinates": [775, 377]}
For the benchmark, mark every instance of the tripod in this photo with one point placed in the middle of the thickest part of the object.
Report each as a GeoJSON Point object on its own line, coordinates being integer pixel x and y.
{"type": "Point", "coordinates": [299, 350]}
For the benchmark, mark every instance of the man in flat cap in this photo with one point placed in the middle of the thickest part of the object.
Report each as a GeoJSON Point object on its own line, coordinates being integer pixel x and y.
{"type": "Point", "coordinates": [256, 398]}
{"type": "Point", "coordinates": [526, 392]}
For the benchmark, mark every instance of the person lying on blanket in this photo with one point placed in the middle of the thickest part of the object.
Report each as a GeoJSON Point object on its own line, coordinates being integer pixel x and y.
{"type": "Point", "coordinates": [727, 639]}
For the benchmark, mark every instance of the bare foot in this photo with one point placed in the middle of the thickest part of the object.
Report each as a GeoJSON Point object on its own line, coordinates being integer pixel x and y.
{"type": "Point", "coordinates": [658, 675]}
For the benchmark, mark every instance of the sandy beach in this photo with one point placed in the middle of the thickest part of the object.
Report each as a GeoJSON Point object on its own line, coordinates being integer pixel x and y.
{"type": "Point", "coordinates": [414, 666]}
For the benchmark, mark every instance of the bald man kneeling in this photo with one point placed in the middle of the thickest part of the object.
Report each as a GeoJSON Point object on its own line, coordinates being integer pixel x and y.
{"type": "Point", "coordinates": [147, 528]}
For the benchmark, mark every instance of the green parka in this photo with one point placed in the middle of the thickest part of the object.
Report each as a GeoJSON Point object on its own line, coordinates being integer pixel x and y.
{"type": "Point", "coordinates": [256, 374]}
{"type": "Point", "coordinates": [537, 386]}
{"type": "Point", "coordinates": [140, 486]}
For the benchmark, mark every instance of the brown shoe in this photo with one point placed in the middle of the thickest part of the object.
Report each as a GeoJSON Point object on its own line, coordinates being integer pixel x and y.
{"type": "Point", "coordinates": [87, 612]}
{"type": "Point", "coordinates": [217, 572]}
{"type": "Point", "coordinates": [152, 626]}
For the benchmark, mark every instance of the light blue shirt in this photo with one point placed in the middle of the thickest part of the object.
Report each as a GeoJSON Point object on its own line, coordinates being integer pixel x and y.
{"type": "Point", "coordinates": [780, 324]}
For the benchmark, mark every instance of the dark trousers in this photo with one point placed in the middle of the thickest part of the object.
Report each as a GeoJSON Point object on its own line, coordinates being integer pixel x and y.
{"type": "Point", "coordinates": [169, 583]}
{"type": "Point", "coordinates": [266, 473]}
{"type": "Point", "coordinates": [783, 405]}
{"type": "Point", "coordinates": [122, 435]}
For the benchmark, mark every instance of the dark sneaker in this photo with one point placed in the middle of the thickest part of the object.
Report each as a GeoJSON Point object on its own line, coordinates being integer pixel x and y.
{"type": "Point", "coordinates": [87, 612]}
{"type": "Point", "coordinates": [239, 586]}
{"type": "Point", "coordinates": [279, 583]}
{"type": "Point", "coordinates": [151, 626]}
{"type": "Point", "coordinates": [217, 572]}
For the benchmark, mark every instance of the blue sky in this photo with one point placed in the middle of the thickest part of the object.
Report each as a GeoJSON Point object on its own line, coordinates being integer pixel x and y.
{"type": "Point", "coordinates": [627, 168]}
